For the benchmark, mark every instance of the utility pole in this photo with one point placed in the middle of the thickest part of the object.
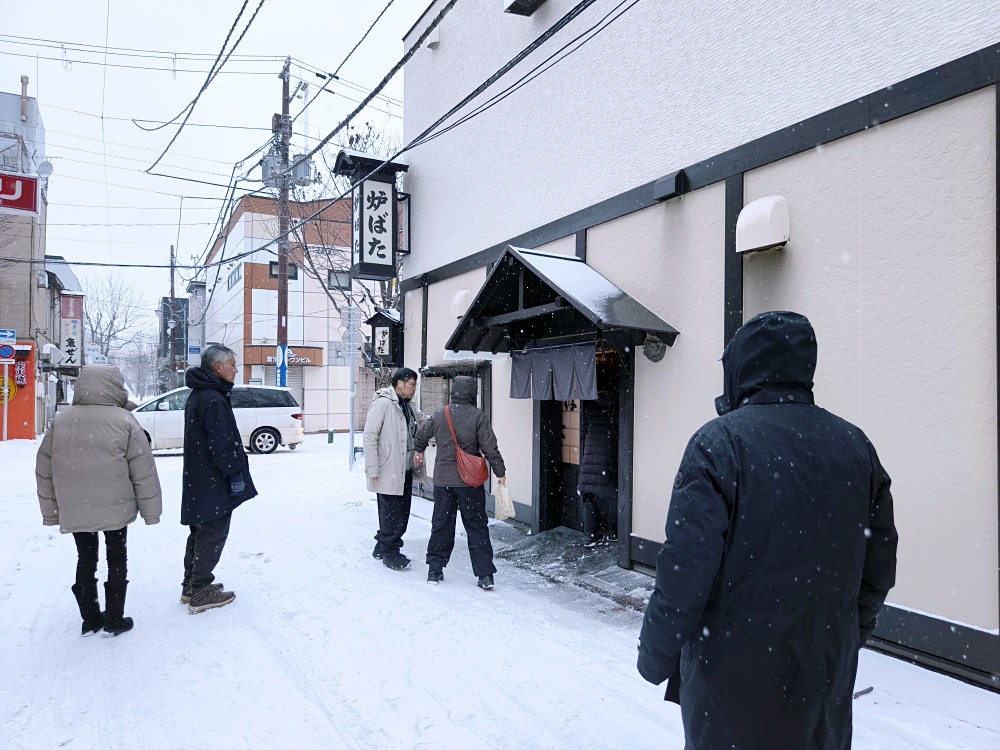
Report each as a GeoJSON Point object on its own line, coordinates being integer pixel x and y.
{"type": "Point", "coordinates": [284, 180]}
{"type": "Point", "coordinates": [170, 328]}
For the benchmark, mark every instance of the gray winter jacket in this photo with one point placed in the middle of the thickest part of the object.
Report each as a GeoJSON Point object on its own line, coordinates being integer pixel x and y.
{"type": "Point", "coordinates": [472, 428]}
{"type": "Point", "coordinates": [94, 469]}
{"type": "Point", "coordinates": [387, 443]}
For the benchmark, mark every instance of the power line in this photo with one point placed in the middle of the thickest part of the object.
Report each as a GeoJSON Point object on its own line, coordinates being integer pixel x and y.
{"type": "Point", "coordinates": [211, 76]}
{"type": "Point", "coordinates": [123, 145]}
{"type": "Point", "coordinates": [137, 67]}
{"type": "Point", "coordinates": [332, 76]}
{"type": "Point", "coordinates": [135, 120]}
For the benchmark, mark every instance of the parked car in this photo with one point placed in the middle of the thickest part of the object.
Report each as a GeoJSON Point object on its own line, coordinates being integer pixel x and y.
{"type": "Point", "coordinates": [267, 416]}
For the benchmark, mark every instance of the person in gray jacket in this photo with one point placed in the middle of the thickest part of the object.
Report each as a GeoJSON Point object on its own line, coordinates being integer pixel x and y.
{"type": "Point", "coordinates": [388, 441]}
{"type": "Point", "coordinates": [451, 495]}
{"type": "Point", "coordinates": [95, 472]}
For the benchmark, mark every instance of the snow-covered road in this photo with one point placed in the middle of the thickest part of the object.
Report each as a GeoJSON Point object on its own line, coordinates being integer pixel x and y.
{"type": "Point", "coordinates": [326, 648]}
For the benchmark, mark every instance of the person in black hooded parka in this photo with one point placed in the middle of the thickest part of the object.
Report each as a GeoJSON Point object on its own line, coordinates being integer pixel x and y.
{"type": "Point", "coordinates": [780, 549]}
{"type": "Point", "coordinates": [216, 476]}
{"type": "Point", "coordinates": [598, 482]}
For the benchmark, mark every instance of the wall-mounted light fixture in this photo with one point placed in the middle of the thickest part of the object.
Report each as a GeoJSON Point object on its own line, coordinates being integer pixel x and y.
{"type": "Point", "coordinates": [762, 224]}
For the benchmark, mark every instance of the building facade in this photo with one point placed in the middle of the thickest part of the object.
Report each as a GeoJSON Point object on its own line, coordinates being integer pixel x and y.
{"type": "Point", "coordinates": [40, 298]}
{"type": "Point", "coordinates": [633, 151]}
{"type": "Point", "coordinates": [234, 302]}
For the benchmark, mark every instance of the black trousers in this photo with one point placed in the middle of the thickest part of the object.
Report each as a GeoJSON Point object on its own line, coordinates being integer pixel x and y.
{"type": "Point", "coordinates": [393, 517]}
{"type": "Point", "coordinates": [86, 560]}
{"type": "Point", "coordinates": [471, 503]}
{"type": "Point", "coordinates": [598, 516]}
{"type": "Point", "coordinates": [204, 548]}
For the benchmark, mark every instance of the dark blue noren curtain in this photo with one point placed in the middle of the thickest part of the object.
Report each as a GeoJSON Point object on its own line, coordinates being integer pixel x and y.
{"type": "Point", "coordinates": [562, 373]}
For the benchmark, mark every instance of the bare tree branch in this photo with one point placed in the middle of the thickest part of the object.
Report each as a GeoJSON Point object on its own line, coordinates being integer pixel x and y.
{"type": "Point", "coordinates": [114, 313]}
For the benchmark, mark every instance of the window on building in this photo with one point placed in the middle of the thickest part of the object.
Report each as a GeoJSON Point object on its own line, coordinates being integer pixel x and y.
{"type": "Point", "coordinates": [293, 270]}
{"type": "Point", "coordinates": [235, 276]}
{"type": "Point", "coordinates": [338, 280]}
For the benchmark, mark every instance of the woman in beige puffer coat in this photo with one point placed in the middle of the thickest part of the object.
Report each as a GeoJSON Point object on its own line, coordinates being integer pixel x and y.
{"type": "Point", "coordinates": [95, 472]}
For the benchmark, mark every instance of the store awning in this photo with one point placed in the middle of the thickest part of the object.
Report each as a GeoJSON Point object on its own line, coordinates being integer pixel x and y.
{"type": "Point", "coordinates": [533, 299]}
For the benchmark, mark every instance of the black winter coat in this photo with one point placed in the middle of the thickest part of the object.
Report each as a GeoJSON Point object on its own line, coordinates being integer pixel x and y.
{"type": "Point", "coordinates": [599, 447]}
{"type": "Point", "coordinates": [213, 450]}
{"type": "Point", "coordinates": [780, 549]}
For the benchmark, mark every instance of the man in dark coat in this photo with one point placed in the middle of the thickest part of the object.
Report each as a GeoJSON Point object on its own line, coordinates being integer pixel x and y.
{"type": "Point", "coordinates": [216, 476]}
{"type": "Point", "coordinates": [451, 494]}
{"type": "Point", "coordinates": [780, 549]}
{"type": "Point", "coordinates": [598, 481]}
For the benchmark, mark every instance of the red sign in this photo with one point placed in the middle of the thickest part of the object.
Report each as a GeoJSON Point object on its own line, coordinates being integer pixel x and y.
{"type": "Point", "coordinates": [18, 192]}
{"type": "Point", "coordinates": [71, 306]}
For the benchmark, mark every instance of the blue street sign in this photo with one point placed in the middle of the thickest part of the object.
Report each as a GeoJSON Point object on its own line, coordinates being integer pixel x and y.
{"type": "Point", "coordinates": [8, 336]}
{"type": "Point", "coordinates": [282, 366]}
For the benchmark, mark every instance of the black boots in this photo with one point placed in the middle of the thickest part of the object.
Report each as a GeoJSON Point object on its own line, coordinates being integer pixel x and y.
{"type": "Point", "coordinates": [115, 623]}
{"type": "Point", "coordinates": [90, 608]}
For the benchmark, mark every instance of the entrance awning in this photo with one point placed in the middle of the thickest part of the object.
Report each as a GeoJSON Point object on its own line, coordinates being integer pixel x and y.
{"type": "Point", "coordinates": [533, 299]}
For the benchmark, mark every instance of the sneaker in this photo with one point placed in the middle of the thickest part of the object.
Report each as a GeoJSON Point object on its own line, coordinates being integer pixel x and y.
{"type": "Point", "coordinates": [611, 539]}
{"type": "Point", "coordinates": [186, 591]}
{"type": "Point", "coordinates": [209, 598]}
{"type": "Point", "coordinates": [435, 574]}
{"type": "Point", "coordinates": [485, 582]}
{"type": "Point", "coordinates": [591, 543]}
{"type": "Point", "coordinates": [377, 552]}
{"type": "Point", "coordinates": [398, 561]}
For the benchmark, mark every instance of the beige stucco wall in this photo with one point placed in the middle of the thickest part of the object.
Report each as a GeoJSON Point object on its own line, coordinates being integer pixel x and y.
{"type": "Point", "coordinates": [513, 424]}
{"type": "Point", "coordinates": [892, 256]}
{"type": "Point", "coordinates": [412, 327]}
{"type": "Point", "coordinates": [669, 257]}
{"type": "Point", "coordinates": [441, 320]}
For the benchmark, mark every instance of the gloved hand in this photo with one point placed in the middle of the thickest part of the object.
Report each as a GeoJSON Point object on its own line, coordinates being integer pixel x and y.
{"type": "Point", "coordinates": [236, 485]}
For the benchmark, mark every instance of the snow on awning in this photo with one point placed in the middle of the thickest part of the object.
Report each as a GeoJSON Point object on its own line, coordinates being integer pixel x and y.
{"type": "Point", "coordinates": [532, 299]}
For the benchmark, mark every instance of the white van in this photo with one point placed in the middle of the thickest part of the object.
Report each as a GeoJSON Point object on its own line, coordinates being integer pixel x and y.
{"type": "Point", "coordinates": [266, 416]}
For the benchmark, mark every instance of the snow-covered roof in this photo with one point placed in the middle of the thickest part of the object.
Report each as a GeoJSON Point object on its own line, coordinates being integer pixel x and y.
{"type": "Point", "coordinates": [58, 267]}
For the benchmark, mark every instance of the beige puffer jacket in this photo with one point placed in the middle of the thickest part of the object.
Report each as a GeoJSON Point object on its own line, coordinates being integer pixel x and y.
{"type": "Point", "coordinates": [94, 469]}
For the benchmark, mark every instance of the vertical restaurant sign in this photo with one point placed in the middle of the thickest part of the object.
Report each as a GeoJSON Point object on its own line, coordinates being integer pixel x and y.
{"type": "Point", "coordinates": [71, 312]}
{"type": "Point", "coordinates": [18, 193]}
{"type": "Point", "coordinates": [374, 222]}
{"type": "Point", "coordinates": [381, 341]}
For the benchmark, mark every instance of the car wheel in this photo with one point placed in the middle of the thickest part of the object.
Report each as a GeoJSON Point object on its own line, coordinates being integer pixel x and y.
{"type": "Point", "coordinates": [264, 440]}
{"type": "Point", "coordinates": [292, 446]}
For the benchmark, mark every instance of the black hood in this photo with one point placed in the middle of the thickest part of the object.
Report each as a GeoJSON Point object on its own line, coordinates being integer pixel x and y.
{"type": "Point", "coordinates": [201, 377]}
{"type": "Point", "coordinates": [463, 390]}
{"type": "Point", "coordinates": [772, 358]}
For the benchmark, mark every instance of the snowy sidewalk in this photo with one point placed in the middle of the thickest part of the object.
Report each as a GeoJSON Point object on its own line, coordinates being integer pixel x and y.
{"type": "Point", "coordinates": [326, 648]}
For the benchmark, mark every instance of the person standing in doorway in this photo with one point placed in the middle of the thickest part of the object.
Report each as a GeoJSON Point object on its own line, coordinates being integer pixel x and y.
{"type": "Point", "coordinates": [216, 476]}
{"type": "Point", "coordinates": [598, 482]}
{"type": "Point", "coordinates": [780, 549]}
{"type": "Point", "coordinates": [390, 429]}
{"type": "Point", "coordinates": [95, 472]}
{"type": "Point", "coordinates": [475, 435]}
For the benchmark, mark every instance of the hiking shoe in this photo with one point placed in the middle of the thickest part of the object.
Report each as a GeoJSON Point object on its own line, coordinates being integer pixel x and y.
{"type": "Point", "coordinates": [186, 591]}
{"type": "Point", "coordinates": [209, 598]}
{"type": "Point", "coordinates": [398, 561]}
{"type": "Point", "coordinates": [435, 574]}
{"type": "Point", "coordinates": [377, 552]}
{"type": "Point", "coordinates": [485, 582]}
{"type": "Point", "coordinates": [123, 625]}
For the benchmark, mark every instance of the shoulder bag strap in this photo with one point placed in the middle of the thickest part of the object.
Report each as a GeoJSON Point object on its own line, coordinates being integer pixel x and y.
{"type": "Point", "coordinates": [447, 416]}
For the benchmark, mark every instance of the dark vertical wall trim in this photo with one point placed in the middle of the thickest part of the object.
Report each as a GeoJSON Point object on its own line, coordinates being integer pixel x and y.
{"type": "Point", "coordinates": [996, 164]}
{"type": "Point", "coordinates": [537, 468]}
{"type": "Point", "coordinates": [626, 453]}
{"type": "Point", "coordinates": [733, 292]}
{"type": "Point", "coordinates": [423, 332]}
{"type": "Point", "coordinates": [581, 245]}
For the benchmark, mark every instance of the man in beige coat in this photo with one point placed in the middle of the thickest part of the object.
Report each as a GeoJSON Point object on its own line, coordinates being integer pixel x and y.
{"type": "Point", "coordinates": [389, 432]}
{"type": "Point", "coordinates": [95, 472]}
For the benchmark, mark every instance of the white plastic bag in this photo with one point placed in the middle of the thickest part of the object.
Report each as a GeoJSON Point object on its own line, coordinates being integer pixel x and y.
{"type": "Point", "coordinates": [504, 505]}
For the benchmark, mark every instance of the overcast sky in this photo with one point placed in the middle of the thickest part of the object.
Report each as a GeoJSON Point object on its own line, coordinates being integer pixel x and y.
{"type": "Point", "coordinates": [103, 207]}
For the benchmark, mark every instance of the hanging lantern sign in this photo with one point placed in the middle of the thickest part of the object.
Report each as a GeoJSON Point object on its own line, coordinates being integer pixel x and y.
{"type": "Point", "coordinates": [374, 215]}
